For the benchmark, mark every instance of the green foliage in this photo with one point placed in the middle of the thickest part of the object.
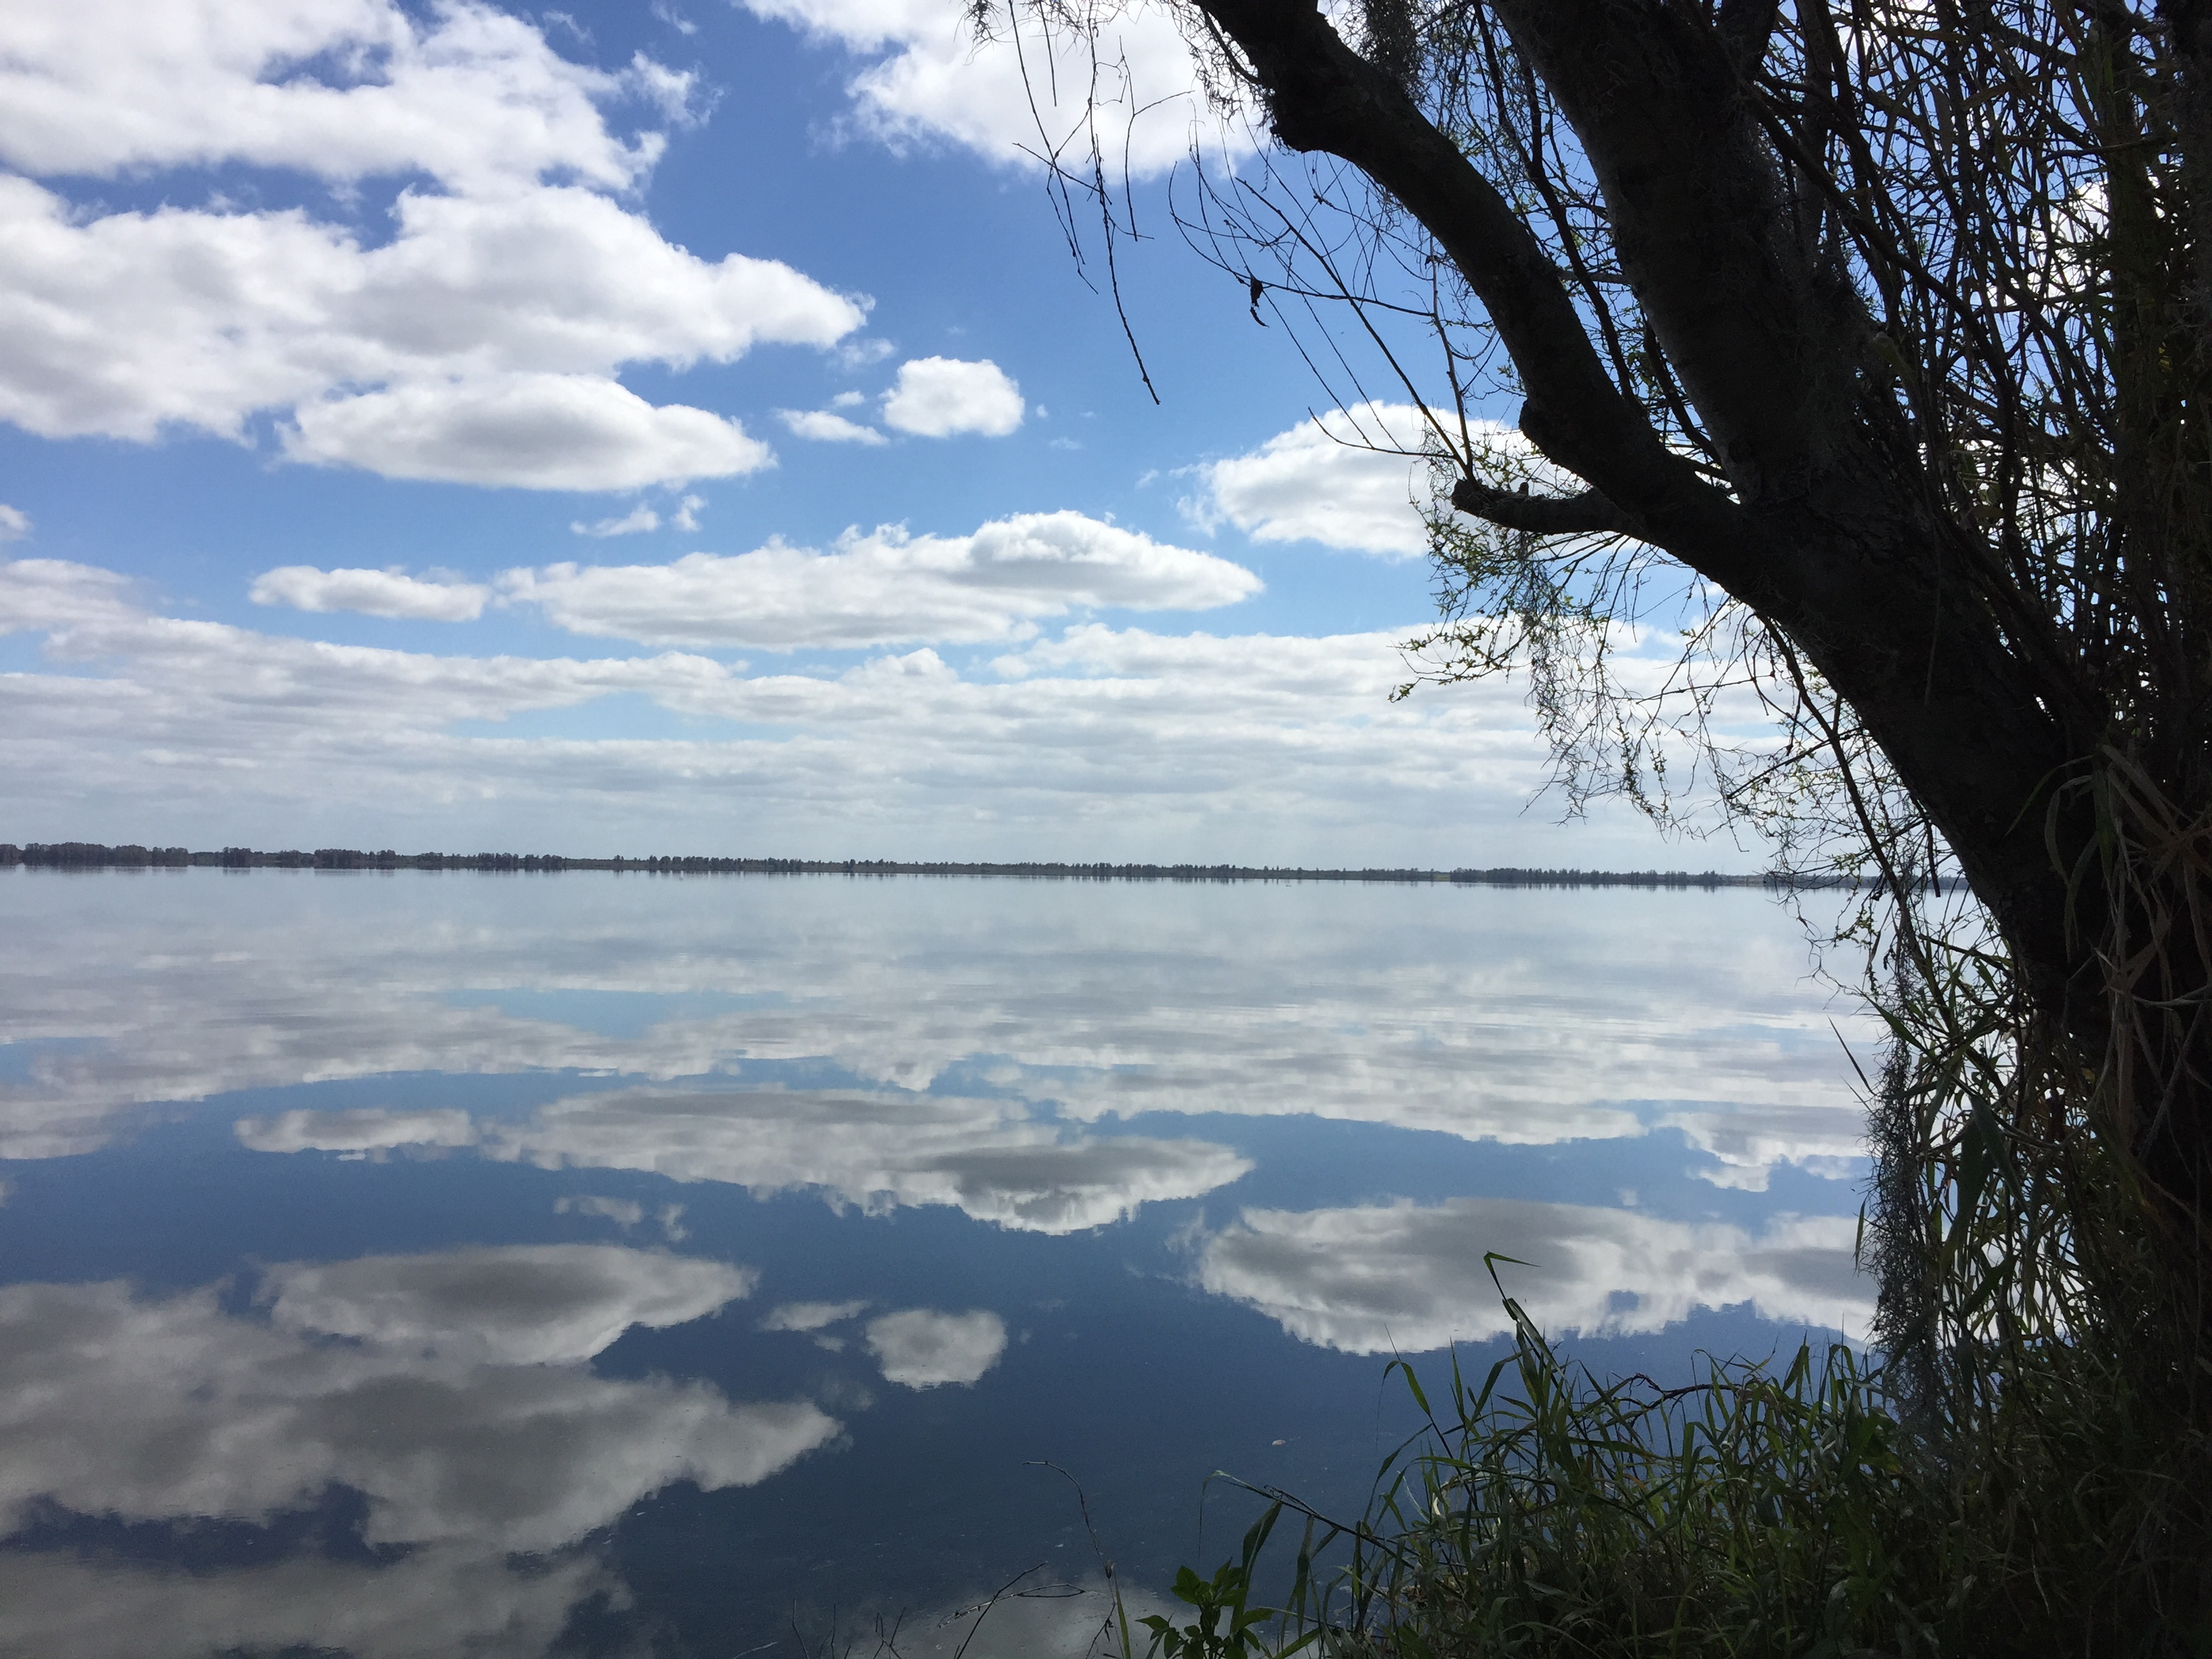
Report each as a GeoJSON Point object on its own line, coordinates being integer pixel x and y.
{"type": "Point", "coordinates": [1225, 1595]}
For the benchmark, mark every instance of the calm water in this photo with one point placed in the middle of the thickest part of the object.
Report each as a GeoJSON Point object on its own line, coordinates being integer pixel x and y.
{"type": "Point", "coordinates": [426, 1264]}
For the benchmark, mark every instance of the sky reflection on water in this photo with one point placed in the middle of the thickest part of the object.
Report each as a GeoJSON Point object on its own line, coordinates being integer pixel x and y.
{"type": "Point", "coordinates": [555, 1264]}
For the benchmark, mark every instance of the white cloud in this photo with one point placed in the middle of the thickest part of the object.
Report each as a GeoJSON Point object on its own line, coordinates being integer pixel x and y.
{"type": "Point", "coordinates": [811, 1316]}
{"type": "Point", "coordinates": [527, 431]}
{"type": "Point", "coordinates": [638, 521]}
{"type": "Point", "coordinates": [136, 1409]}
{"type": "Point", "coordinates": [373, 592]}
{"type": "Point", "coordinates": [941, 396]}
{"type": "Point", "coordinates": [497, 314]}
{"type": "Point", "coordinates": [822, 426]}
{"type": "Point", "coordinates": [1326, 480]}
{"type": "Point", "coordinates": [515, 1304]}
{"type": "Point", "coordinates": [686, 518]}
{"type": "Point", "coordinates": [124, 323]}
{"type": "Point", "coordinates": [921, 1348]}
{"type": "Point", "coordinates": [37, 594]}
{"type": "Point", "coordinates": [888, 585]}
{"type": "Point", "coordinates": [14, 523]}
{"type": "Point", "coordinates": [929, 81]}
{"type": "Point", "coordinates": [989, 1159]}
{"type": "Point", "coordinates": [1400, 1276]}
{"type": "Point", "coordinates": [473, 96]}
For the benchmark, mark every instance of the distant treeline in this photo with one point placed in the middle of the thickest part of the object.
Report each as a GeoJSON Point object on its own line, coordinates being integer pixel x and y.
{"type": "Point", "coordinates": [90, 855]}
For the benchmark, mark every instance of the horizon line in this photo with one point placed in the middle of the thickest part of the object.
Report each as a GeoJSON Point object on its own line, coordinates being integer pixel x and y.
{"type": "Point", "coordinates": [86, 855]}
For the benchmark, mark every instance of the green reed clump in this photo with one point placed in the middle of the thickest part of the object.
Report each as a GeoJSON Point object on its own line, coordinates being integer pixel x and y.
{"type": "Point", "coordinates": [1755, 1512]}
{"type": "Point", "coordinates": [1542, 1512]}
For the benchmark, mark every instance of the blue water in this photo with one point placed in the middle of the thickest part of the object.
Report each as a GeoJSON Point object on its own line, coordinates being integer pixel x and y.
{"type": "Point", "coordinates": [437, 1264]}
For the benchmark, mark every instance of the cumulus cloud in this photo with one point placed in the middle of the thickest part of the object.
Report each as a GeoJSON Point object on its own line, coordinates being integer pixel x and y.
{"type": "Point", "coordinates": [941, 396]}
{"type": "Point", "coordinates": [822, 426]}
{"type": "Point", "coordinates": [921, 1348]}
{"type": "Point", "coordinates": [373, 592]}
{"type": "Point", "coordinates": [924, 79]}
{"type": "Point", "coordinates": [1409, 1277]}
{"type": "Point", "coordinates": [128, 322]}
{"type": "Point", "coordinates": [989, 1159]}
{"type": "Point", "coordinates": [517, 1304]}
{"type": "Point", "coordinates": [14, 523]}
{"type": "Point", "coordinates": [473, 96]}
{"type": "Point", "coordinates": [887, 586]}
{"type": "Point", "coordinates": [1331, 480]}
{"type": "Point", "coordinates": [638, 521]}
{"type": "Point", "coordinates": [39, 594]}
{"type": "Point", "coordinates": [527, 431]}
{"type": "Point", "coordinates": [135, 1408]}
{"type": "Point", "coordinates": [478, 343]}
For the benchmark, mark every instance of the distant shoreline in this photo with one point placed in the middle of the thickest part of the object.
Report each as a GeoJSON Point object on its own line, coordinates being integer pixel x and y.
{"type": "Point", "coordinates": [91, 855]}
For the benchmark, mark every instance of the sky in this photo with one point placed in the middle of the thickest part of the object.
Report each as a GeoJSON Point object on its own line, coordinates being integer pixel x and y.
{"type": "Point", "coordinates": [685, 428]}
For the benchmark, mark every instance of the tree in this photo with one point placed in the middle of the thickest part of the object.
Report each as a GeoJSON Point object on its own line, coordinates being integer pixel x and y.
{"type": "Point", "coordinates": [1889, 323]}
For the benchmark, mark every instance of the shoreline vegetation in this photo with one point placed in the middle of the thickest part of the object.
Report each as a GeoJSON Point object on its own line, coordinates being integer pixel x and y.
{"type": "Point", "coordinates": [91, 855]}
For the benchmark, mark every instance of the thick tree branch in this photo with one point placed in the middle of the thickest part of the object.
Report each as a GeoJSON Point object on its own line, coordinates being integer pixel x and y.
{"type": "Point", "coordinates": [1587, 513]}
{"type": "Point", "coordinates": [1321, 95]}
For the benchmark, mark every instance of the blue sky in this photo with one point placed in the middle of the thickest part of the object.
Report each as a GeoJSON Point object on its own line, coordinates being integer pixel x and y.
{"type": "Point", "coordinates": [677, 428]}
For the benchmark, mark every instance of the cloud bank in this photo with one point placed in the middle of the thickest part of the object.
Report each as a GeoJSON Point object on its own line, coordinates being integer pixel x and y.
{"type": "Point", "coordinates": [884, 587]}
{"type": "Point", "coordinates": [372, 593]}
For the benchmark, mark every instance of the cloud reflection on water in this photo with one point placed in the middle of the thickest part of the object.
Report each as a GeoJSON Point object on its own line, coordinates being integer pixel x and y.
{"type": "Point", "coordinates": [512, 1304]}
{"type": "Point", "coordinates": [153, 1409]}
{"type": "Point", "coordinates": [986, 1158]}
{"type": "Point", "coordinates": [1524, 1017]}
{"type": "Point", "coordinates": [1372, 1279]}
{"type": "Point", "coordinates": [435, 1603]}
{"type": "Point", "coordinates": [922, 1348]}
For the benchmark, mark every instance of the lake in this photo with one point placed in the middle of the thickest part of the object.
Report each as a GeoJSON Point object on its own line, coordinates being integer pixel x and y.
{"type": "Point", "coordinates": [439, 1263]}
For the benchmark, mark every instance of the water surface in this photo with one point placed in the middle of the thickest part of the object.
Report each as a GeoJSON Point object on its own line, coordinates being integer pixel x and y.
{"type": "Point", "coordinates": [410, 1263]}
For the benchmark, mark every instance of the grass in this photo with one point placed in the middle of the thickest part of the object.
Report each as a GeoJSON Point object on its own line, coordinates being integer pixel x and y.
{"type": "Point", "coordinates": [1542, 1512]}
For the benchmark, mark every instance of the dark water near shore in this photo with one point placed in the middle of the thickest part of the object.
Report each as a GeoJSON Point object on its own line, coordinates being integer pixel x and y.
{"type": "Point", "coordinates": [419, 1264]}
